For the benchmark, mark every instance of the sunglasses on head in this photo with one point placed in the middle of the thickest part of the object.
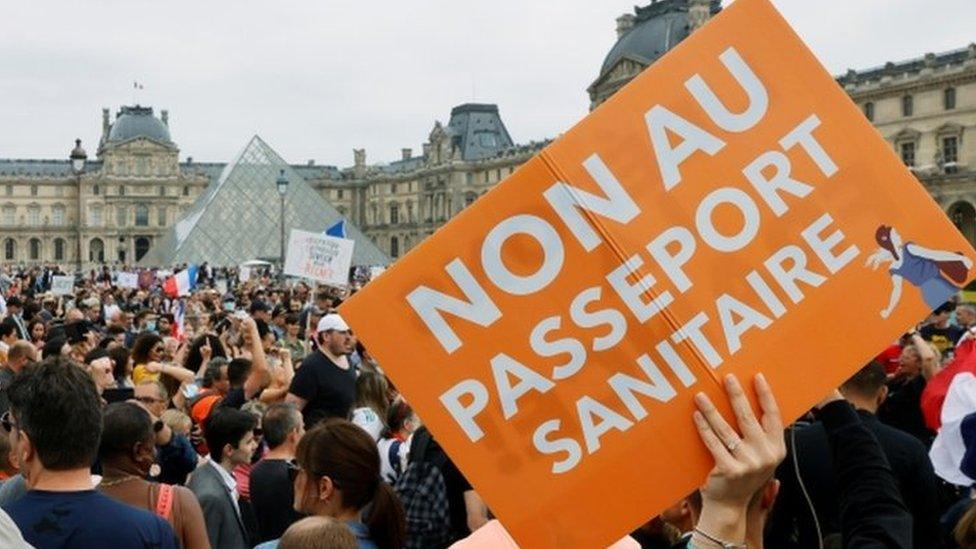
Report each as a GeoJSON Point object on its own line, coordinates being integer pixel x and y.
{"type": "Point", "coordinates": [7, 421]}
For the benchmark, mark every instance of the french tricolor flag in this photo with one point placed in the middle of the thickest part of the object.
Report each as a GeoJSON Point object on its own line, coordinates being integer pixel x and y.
{"type": "Point", "coordinates": [181, 283]}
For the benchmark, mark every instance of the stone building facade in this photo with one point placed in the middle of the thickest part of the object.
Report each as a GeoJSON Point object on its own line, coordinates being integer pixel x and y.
{"type": "Point", "coordinates": [111, 210]}
{"type": "Point", "coordinates": [926, 109]}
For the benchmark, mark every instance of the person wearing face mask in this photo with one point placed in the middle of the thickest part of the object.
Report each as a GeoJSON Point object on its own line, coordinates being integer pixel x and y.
{"type": "Point", "coordinates": [127, 452]}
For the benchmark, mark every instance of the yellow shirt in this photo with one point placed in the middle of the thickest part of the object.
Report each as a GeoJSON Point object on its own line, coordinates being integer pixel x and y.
{"type": "Point", "coordinates": [140, 374]}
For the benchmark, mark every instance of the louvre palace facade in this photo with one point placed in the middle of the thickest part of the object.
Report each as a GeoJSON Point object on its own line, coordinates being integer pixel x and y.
{"type": "Point", "coordinates": [120, 201]}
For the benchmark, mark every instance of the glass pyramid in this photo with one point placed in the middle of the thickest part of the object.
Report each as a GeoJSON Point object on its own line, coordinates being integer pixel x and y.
{"type": "Point", "coordinates": [237, 218]}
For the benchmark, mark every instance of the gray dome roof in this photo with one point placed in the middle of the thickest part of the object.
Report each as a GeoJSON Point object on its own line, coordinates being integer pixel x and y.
{"type": "Point", "coordinates": [132, 122]}
{"type": "Point", "coordinates": [658, 27]}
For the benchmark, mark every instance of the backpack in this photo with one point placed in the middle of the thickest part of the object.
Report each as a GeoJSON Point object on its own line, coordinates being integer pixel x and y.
{"type": "Point", "coordinates": [423, 492]}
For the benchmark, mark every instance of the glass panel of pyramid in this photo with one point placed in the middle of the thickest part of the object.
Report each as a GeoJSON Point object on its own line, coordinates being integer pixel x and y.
{"type": "Point", "coordinates": [237, 218]}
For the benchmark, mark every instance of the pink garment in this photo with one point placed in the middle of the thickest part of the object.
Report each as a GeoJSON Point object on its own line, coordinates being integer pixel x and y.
{"type": "Point", "coordinates": [494, 536]}
{"type": "Point", "coordinates": [242, 474]}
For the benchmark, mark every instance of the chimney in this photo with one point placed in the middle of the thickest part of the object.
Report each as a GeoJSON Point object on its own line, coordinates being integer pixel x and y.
{"type": "Point", "coordinates": [105, 123]}
{"type": "Point", "coordinates": [699, 12]}
{"type": "Point", "coordinates": [311, 161]}
{"type": "Point", "coordinates": [624, 23]}
{"type": "Point", "coordinates": [164, 116]}
{"type": "Point", "coordinates": [407, 153]}
{"type": "Point", "coordinates": [189, 160]}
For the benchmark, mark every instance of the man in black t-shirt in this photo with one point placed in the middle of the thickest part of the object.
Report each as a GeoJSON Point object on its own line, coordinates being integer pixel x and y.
{"type": "Point", "coordinates": [325, 385]}
{"type": "Point", "coordinates": [942, 334]}
{"type": "Point", "coordinates": [272, 495]}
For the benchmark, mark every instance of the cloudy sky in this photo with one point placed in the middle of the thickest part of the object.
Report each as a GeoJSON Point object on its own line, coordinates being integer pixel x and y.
{"type": "Point", "coordinates": [317, 79]}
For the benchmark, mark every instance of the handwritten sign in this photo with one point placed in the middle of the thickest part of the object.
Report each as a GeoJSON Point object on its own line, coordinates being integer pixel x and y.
{"type": "Point", "coordinates": [62, 285]}
{"type": "Point", "coordinates": [128, 280]}
{"type": "Point", "coordinates": [321, 258]}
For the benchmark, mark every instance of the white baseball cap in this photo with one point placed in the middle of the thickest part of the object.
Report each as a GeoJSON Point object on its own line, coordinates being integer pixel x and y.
{"type": "Point", "coordinates": [332, 322]}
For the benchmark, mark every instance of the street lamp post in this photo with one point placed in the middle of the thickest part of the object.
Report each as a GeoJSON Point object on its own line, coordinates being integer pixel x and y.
{"type": "Point", "coordinates": [282, 184]}
{"type": "Point", "coordinates": [78, 158]}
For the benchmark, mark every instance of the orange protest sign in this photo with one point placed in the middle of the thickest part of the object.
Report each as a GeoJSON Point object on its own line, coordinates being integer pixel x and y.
{"type": "Point", "coordinates": [731, 210]}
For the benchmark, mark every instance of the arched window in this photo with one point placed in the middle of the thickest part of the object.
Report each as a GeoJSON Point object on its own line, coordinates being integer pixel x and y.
{"type": "Point", "coordinates": [142, 215]}
{"type": "Point", "coordinates": [394, 247]}
{"type": "Point", "coordinates": [142, 247]}
{"type": "Point", "coordinates": [96, 250]}
{"type": "Point", "coordinates": [35, 249]}
{"type": "Point", "coordinates": [59, 249]}
{"type": "Point", "coordinates": [10, 249]}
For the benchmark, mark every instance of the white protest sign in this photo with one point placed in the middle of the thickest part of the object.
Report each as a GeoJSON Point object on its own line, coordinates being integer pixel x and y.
{"type": "Point", "coordinates": [244, 273]}
{"type": "Point", "coordinates": [128, 280]}
{"type": "Point", "coordinates": [375, 271]}
{"type": "Point", "coordinates": [321, 258]}
{"type": "Point", "coordinates": [62, 285]}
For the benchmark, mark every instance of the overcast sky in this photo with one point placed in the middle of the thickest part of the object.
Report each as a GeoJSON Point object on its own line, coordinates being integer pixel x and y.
{"type": "Point", "coordinates": [318, 78]}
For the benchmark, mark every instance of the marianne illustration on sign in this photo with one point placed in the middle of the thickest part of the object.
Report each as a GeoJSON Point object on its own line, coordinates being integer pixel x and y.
{"type": "Point", "coordinates": [935, 273]}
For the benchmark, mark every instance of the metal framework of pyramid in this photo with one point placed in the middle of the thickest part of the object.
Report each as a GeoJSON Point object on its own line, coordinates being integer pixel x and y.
{"type": "Point", "coordinates": [237, 219]}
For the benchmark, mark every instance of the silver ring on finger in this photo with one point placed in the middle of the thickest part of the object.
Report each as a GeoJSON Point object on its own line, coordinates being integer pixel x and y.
{"type": "Point", "coordinates": [733, 444]}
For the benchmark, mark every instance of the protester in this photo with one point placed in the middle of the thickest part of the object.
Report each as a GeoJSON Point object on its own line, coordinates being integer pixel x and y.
{"type": "Point", "coordinates": [338, 476]}
{"type": "Point", "coordinates": [809, 473]}
{"type": "Point", "coordinates": [272, 495]}
{"type": "Point", "coordinates": [127, 451]}
{"type": "Point", "coordinates": [372, 406]}
{"type": "Point", "coordinates": [325, 385]}
{"type": "Point", "coordinates": [919, 362]}
{"type": "Point", "coordinates": [55, 453]}
{"type": "Point", "coordinates": [18, 356]}
{"type": "Point", "coordinates": [230, 437]}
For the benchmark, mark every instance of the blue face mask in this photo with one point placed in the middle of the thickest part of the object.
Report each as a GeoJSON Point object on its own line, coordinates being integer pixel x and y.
{"type": "Point", "coordinates": [151, 326]}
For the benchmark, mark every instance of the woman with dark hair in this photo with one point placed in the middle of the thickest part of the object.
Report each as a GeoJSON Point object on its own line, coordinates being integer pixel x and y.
{"type": "Point", "coordinates": [203, 348]}
{"type": "Point", "coordinates": [338, 476]}
{"type": "Point", "coordinates": [127, 451]}
{"type": "Point", "coordinates": [122, 365]}
{"type": "Point", "coordinates": [928, 270]}
{"type": "Point", "coordinates": [147, 355]}
{"type": "Point", "coordinates": [37, 330]}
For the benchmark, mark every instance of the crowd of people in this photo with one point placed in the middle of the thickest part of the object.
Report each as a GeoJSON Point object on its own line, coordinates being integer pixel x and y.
{"type": "Point", "coordinates": [246, 414]}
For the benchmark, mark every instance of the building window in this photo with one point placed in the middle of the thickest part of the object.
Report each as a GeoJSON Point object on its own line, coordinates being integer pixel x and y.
{"type": "Point", "coordinates": [907, 106]}
{"type": "Point", "coordinates": [34, 216]}
{"type": "Point", "coordinates": [142, 247]}
{"type": "Point", "coordinates": [96, 250]}
{"type": "Point", "coordinates": [9, 215]}
{"type": "Point", "coordinates": [949, 99]}
{"type": "Point", "coordinates": [162, 190]}
{"type": "Point", "coordinates": [393, 188]}
{"type": "Point", "coordinates": [57, 216]}
{"type": "Point", "coordinates": [186, 190]}
{"type": "Point", "coordinates": [950, 153]}
{"type": "Point", "coordinates": [59, 249]}
{"type": "Point", "coordinates": [121, 190]}
{"type": "Point", "coordinates": [35, 249]}
{"type": "Point", "coordinates": [869, 111]}
{"type": "Point", "coordinates": [469, 178]}
{"type": "Point", "coordinates": [394, 214]}
{"type": "Point", "coordinates": [33, 190]}
{"type": "Point", "coordinates": [339, 194]}
{"type": "Point", "coordinates": [394, 246]}
{"type": "Point", "coordinates": [908, 153]}
{"type": "Point", "coordinates": [95, 190]}
{"type": "Point", "coordinates": [469, 199]}
{"type": "Point", "coordinates": [161, 216]}
{"type": "Point", "coordinates": [9, 249]}
{"type": "Point", "coordinates": [10, 190]}
{"type": "Point", "coordinates": [95, 216]}
{"type": "Point", "coordinates": [121, 213]}
{"type": "Point", "coordinates": [142, 215]}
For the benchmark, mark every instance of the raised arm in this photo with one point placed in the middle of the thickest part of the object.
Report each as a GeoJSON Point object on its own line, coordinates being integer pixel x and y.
{"type": "Point", "coordinates": [258, 379]}
{"type": "Point", "coordinates": [930, 360]}
{"type": "Point", "coordinates": [896, 284]}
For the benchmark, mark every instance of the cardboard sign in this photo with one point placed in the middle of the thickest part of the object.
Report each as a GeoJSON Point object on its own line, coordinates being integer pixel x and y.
{"type": "Point", "coordinates": [320, 258]}
{"type": "Point", "coordinates": [128, 280]}
{"type": "Point", "coordinates": [729, 211]}
{"type": "Point", "coordinates": [62, 285]}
